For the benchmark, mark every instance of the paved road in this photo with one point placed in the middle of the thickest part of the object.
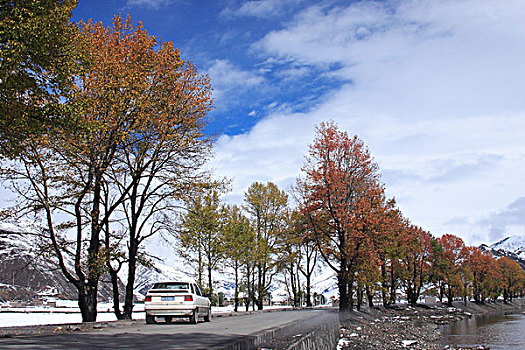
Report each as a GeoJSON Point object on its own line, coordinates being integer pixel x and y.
{"type": "Point", "coordinates": [180, 335]}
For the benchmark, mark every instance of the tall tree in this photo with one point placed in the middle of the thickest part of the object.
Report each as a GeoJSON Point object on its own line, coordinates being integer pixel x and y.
{"type": "Point", "coordinates": [340, 178]}
{"type": "Point", "coordinates": [289, 254]}
{"type": "Point", "coordinates": [162, 163]}
{"type": "Point", "coordinates": [451, 260]}
{"type": "Point", "coordinates": [485, 274]}
{"type": "Point", "coordinates": [200, 233]}
{"type": "Point", "coordinates": [415, 261]}
{"type": "Point", "coordinates": [511, 273]}
{"type": "Point", "coordinates": [308, 251]}
{"type": "Point", "coordinates": [239, 240]}
{"type": "Point", "coordinates": [266, 205]}
{"type": "Point", "coordinates": [64, 173]}
{"type": "Point", "coordinates": [388, 250]}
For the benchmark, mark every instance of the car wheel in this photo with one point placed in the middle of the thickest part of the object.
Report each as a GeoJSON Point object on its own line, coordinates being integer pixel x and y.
{"type": "Point", "coordinates": [150, 319]}
{"type": "Point", "coordinates": [167, 319]}
{"type": "Point", "coordinates": [193, 317]}
{"type": "Point", "coordinates": [207, 318]}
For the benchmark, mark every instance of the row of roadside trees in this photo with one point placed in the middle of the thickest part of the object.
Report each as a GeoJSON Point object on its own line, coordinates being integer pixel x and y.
{"type": "Point", "coordinates": [256, 242]}
{"type": "Point", "coordinates": [341, 213]}
{"type": "Point", "coordinates": [373, 248]}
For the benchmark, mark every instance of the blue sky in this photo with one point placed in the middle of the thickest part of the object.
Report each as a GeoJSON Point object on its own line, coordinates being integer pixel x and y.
{"type": "Point", "coordinates": [435, 88]}
{"type": "Point", "coordinates": [220, 37]}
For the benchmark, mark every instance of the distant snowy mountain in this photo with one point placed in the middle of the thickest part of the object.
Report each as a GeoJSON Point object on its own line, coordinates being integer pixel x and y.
{"type": "Point", "coordinates": [25, 271]}
{"type": "Point", "coordinates": [512, 247]}
{"type": "Point", "coordinates": [512, 244]}
{"type": "Point", "coordinates": [146, 277]}
{"type": "Point", "coordinates": [325, 283]}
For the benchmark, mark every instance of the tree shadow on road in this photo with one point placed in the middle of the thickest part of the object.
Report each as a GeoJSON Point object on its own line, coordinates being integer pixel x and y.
{"type": "Point", "coordinates": [190, 340]}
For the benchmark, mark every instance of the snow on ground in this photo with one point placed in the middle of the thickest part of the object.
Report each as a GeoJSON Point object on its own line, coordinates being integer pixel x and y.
{"type": "Point", "coordinates": [17, 319]}
{"type": "Point", "coordinates": [68, 312]}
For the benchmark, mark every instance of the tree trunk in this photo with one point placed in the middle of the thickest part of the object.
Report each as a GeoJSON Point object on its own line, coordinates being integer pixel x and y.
{"type": "Point", "coordinates": [350, 295]}
{"type": "Point", "coordinates": [260, 287]}
{"type": "Point", "coordinates": [384, 285]}
{"type": "Point", "coordinates": [392, 285]}
{"type": "Point", "coordinates": [342, 284]}
{"type": "Point", "coordinates": [112, 272]}
{"type": "Point", "coordinates": [199, 272]}
{"type": "Point", "coordinates": [132, 269]}
{"type": "Point", "coordinates": [370, 297]}
{"type": "Point", "coordinates": [87, 302]}
{"type": "Point", "coordinates": [294, 286]}
{"type": "Point", "coordinates": [359, 296]}
{"type": "Point", "coordinates": [210, 282]}
{"type": "Point", "coordinates": [298, 281]}
{"type": "Point", "coordinates": [236, 292]}
{"type": "Point", "coordinates": [248, 289]}
{"type": "Point", "coordinates": [450, 297]}
{"type": "Point", "coordinates": [116, 294]}
{"type": "Point", "coordinates": [308, 291]}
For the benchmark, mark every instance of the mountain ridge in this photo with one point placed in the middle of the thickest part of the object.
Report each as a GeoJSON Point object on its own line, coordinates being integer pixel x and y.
{"type": "Point", "coordinates": [26, 271]}
{"type": "Point", "coordinates": [512, 247]}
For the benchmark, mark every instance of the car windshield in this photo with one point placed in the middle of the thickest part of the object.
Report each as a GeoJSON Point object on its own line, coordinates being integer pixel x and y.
{"type": "Point", "coordinates": [172, 286]}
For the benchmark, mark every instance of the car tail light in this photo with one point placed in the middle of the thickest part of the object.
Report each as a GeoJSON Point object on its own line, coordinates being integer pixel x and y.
{"type": "Point", "coordinates": [148, 298]}
{"type": "Point", "coordinates": [188, 298]}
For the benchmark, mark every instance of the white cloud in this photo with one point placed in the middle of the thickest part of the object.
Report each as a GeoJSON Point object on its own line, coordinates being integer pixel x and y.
{"type": "Point", "coordinates": [502, 222]}
{"type": "Point", "coordinates": [152, 4]}
{"type": "Point", "coordinates": [423, 55]}
{"type": "Point", "coordinates": [258, 8]}
{"type": "Point", "coordinates": [436, 92]}
{"type": "Point", "coordinates": [225, 77]}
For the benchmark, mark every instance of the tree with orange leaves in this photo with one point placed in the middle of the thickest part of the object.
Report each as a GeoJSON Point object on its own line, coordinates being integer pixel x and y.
{"type": "Point", "coordinates": [452, 258]}
{"type": "Point", "coordinates": [415, 260]}
{"type": "Point", "coordinates": [166, 102]}
{"type": "Point", "coordinates": [341, 177]}
{"type": "Point", "coordinates": [511, 274]}
{"type": "Point", "coordinates": [139, 106]}
{"type": "Point", "coordinates": [485, 274]}
{"type": "Point", "coordinates": [389, 250]}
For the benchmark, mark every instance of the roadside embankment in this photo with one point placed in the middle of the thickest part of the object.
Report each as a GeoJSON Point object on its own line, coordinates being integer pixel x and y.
{"type": "Point", "coordinates": [406, 327]}
{"type": "Point", "coordinates": [319, 332]}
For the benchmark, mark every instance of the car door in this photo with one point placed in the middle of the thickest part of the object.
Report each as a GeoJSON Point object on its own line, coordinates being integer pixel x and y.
{"type": "Point", "coordinates": [201, 300]}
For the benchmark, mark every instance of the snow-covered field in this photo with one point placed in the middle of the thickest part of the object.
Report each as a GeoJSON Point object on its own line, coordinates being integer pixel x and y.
{"type": "Point", "coordinates": [67, 312]}
{"type": "Point", "coordinates": [17, 319]}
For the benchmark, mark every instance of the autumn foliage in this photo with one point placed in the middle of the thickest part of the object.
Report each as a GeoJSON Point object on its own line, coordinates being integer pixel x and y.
{"type": "Point", "coordinates": [339, 200]}
{"type": "Point", "coordinates": [372, 248]}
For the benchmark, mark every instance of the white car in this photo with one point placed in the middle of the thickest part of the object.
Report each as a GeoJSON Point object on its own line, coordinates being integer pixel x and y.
{"type": "Point", "coordinates": [176, 299]}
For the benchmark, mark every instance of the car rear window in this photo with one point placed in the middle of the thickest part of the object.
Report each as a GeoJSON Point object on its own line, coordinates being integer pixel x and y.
{"type": "Point", "coordinates": [172, 286]}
